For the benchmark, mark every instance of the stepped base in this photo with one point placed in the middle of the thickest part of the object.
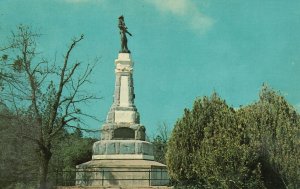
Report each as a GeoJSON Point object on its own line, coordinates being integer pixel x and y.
{"type": "Point", "coordinates": [122, 173]}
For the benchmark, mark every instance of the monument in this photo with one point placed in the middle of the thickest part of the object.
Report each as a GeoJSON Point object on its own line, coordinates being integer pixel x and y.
{"type": "Point", "coordinates": [122, 156]}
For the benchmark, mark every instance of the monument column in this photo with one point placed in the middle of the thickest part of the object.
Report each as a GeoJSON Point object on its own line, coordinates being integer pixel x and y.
{"type": "Point", "coordinates": [123, 109]}
{"type": "Point", "coordinates": [124, 91]}
{"type": "Point", "coordinates": [122, 155]}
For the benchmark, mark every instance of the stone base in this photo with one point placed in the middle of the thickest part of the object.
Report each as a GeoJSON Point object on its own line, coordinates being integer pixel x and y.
{"type": "Point", "coordinates": [115, 187]}
{"type": "Point", "coordinates": [125, 173]}
{"type": "Point", "coordinates": [124, 156]}
{"type": "Point", "coordinates": [123, 149]}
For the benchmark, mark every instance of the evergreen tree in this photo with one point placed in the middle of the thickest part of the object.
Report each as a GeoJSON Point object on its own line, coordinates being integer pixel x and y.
{"type": "Point", "coordinates": [257, 146]}
{"type": "Point", "coordinates": [273, 129]}
{"type": "Point", "coordinates": [207, 147]}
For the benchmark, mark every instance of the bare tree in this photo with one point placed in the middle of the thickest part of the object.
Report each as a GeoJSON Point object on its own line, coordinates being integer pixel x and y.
{"type": "Point", "coordinates": [47, 94]}
{"type": "Point", "coordinates": [160, 141]}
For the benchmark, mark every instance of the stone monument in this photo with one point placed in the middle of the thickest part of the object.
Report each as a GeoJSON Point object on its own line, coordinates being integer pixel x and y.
{"type": "Point", "coordinates": [122, 156]}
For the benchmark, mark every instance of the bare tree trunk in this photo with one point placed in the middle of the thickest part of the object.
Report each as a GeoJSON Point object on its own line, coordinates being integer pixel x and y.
{"type": "Point", "coordinates": [45, 156]}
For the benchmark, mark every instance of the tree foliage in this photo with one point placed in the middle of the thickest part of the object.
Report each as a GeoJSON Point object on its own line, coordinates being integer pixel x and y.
{"type": "Point", "coordinates": [70, 150]}
{"type": "Point", "coordinates": [253, 147]}
{"type": "Point", "coordinates": [18, 156]}
{"type": "Point", "coordinates": [273, 127]}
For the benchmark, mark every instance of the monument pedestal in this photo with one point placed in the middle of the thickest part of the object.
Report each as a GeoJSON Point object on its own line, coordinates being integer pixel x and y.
{"type": "Point", "coordinates": [122, 172]}
{"type": "Point", "coordinates": [122, 163]}
{"type": "Point", "coordinates": [122, 157]}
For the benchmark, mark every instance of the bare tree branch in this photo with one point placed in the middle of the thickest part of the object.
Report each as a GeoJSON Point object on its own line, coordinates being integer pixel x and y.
{"type": "Point", "coordinates": [83, 129]}
{"type": "Point", "coordinates": [61, 84]}
{"type": "Point", "coordinates": [6, 48]}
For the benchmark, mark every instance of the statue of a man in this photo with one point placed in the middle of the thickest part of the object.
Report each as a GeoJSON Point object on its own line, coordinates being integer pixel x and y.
{"type": "Point", "coordinates": [123, 31]}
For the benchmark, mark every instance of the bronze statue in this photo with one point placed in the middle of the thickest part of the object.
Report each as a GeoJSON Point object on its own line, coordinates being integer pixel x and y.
{"type": "Point", "coordinates": [123, 31]}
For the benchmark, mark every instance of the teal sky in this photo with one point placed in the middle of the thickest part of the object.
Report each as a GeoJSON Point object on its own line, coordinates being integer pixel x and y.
{"type": "Point", "coordinates": [182, 49]}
